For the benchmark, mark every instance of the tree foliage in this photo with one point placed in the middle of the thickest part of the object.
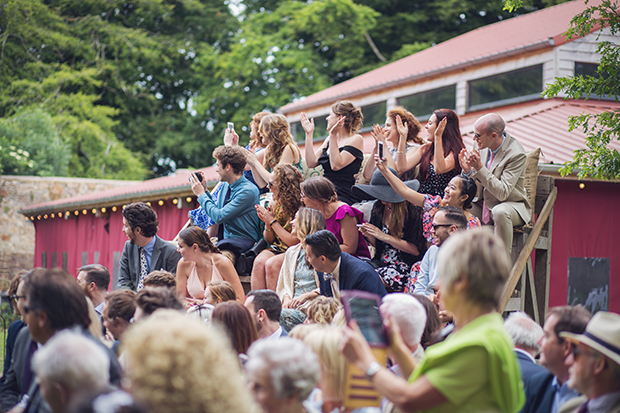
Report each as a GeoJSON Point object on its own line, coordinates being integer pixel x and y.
{"type": "Point", "coordinates": [597, 160]}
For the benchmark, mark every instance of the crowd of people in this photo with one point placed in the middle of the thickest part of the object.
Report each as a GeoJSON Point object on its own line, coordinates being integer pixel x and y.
{"type": "Point", "coordinates": [180, 333]}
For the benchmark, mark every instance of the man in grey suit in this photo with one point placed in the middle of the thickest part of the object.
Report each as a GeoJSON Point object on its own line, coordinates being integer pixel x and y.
{"type": "Point", "coordinates": [145, 251]}
{"type": "Point", "coordinates": [499, 167]}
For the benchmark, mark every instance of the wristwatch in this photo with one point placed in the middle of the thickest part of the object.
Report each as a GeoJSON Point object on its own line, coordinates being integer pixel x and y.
{"type": "Point", "coordinates": [372, 369]}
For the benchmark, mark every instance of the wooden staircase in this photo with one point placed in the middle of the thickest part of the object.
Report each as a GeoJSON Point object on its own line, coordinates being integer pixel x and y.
{"type": "Point", "coordinates": [527, 287]}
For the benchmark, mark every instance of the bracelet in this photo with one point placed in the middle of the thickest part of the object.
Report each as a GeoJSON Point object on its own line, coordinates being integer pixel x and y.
{"type": "Point", "coordinates": [372, 369]}
{"type": "Point", "coordinates": [273, 222]}
{"type": "Point", "coordinates": [401, 152]}
{"type": "Point", "coordinates": [268, 229]}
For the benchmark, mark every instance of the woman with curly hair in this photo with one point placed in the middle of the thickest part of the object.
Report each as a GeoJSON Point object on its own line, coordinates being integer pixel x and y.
{"type": "Point", "coordinates": [438, 158]}
{"type": "Point", "coordinates": [390, 133]}
{"type": "Point", "coordinates": [281, 149]}
{"type": "Point", "coordinates": [177, 364]}
{"type": "Point", "coordinates": [343, 162]}
{"type": "Point", "coordinates": [277, 218]}
{"type": "Point", "coordinates": [201, 263]}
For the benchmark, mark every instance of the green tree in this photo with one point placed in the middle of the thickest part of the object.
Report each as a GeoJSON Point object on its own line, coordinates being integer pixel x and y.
{"type": "Point", "coordinates": [597, 160]}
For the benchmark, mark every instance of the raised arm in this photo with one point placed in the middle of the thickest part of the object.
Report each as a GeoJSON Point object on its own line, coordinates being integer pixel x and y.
{"type": "Point", "coordinates": [312, 156]}
{"type": "Point", "coordinates": [406, 161]}
{"type": "Point", "coordinates": [441, 163]}
{"type": "Point", "coordinates": [399, 186]}
{"type": "Point", "coordinates": [259, 173]}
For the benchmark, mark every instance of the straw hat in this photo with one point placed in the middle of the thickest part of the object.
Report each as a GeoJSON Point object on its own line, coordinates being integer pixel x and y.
{"type": "Point", "coordinates": [602, 334]}
{"type": "Point", "coordinates": [381, 189]}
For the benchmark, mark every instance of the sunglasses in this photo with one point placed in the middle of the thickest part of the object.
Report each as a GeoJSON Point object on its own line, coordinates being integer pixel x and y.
{"type": "Point", "coordinates": [17, 297]}
{"type": "Point", "coordinates": [270, 184]}
{"type": "Point", "coordinates": [435, 226]}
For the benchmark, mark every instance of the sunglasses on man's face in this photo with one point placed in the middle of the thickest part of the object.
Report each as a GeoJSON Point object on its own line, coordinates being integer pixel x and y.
{"type": "Point", "coordinates": [17, 297]}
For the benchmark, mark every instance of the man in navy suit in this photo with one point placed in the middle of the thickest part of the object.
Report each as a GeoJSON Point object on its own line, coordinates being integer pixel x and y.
{"type": "Point", "coordinates": [338, 270]}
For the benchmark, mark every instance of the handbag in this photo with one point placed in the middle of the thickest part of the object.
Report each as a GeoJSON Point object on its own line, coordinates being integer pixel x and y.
{"type": "Point", "coordinates": [245, 261]}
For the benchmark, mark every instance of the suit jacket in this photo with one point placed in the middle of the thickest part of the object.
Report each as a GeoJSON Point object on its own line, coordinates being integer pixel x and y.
{"type": "Point", "coordinates": [12, 388]}
{"type": "Point", "coordinates": [504, 180]}
{"type": "Point", "coordinates": [165, 256]}
{"type": "Point", "coordinates": [355, 274]}
{"type": "Point", "coordinates": [539, 393]}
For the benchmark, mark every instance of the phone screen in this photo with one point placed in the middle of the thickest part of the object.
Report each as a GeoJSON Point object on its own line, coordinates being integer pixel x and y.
{"type": "Point", "coordinates": [366, 312]}
{"type": "Point", "coordinates": [380, 150]}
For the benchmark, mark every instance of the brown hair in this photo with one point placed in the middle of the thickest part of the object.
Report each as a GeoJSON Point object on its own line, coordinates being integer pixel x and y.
{"type": "Point", "coordinates": [278, 137]}
{"type": "Point", "coordinates": [198, 236]}
{"type": "Point", "coordinates": [141, 215]}
{"type": "Point", "coordinates": [288, 179]}
{"type": "Point", "coordinates": [222, 290]}
{"type": "Point", "coordinates": [96, 273]}
{"type": "Point", "coordinates": [322, 309]}
{"type": "Point", "coordinates": [309, 221]}
{"type": "Point", "coordinates": [160, 278]}
{"type": "Point", "coordinates": [257, 142]}
{"type": "Point", "coordinates": [319, 188]}
{"type": "Point", "coordinates": [150, 299]}
{"type": "Point", "coordinates": [121, 304]}
{"type": "Point", "coordinates": [354, 119]}
{"type": "Point", "coordinates": [451, 140]}
{"type": "Point", "coordinates": [413, 134]}
{"type": "Point", "coordinates": [571, 318]}
{"type": "Point", "coordinates": [231, 155]}
{"type": "Point", "coordinates": [15, 283]}
{"type": "Point", "coordinates": [433, 323]}
{"type": "Point", "coordinates": [238, 323]}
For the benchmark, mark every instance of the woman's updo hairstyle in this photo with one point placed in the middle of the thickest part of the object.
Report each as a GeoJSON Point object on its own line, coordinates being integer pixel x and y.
{"type": "Point", "coordinates": [469, 188]}
{"type": "Point", "coordinates": [319, 188]}
{"type": "Point", "coordinates": [413, 135]}
{"type": "Point", "coordinates": [198, 236]}
{"type": "Point", "coordinates": [354, 119]}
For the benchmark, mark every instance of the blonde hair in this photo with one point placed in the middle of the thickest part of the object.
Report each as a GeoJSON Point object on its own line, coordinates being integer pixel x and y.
{"type": "Point", "coordinates": [178, 364]}
{"type": "Point", "coordinates": [300, 331]}
{"type": "Point", "coordinates": [322, 309]}
{"type": "Point", "coordinates": [325, 342]}
{"type": "Point", "coordinates": [278, 136]}
{"type": "Point", "coordinates": [309, 221]}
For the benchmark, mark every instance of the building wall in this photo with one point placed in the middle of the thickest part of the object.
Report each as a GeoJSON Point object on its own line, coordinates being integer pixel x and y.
{"type": "Point", "coordinates": [17, 234]}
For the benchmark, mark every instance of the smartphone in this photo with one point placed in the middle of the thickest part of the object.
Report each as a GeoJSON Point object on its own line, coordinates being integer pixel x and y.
{"type": "Point", "coordinates": [363, 307]}
{"type": "Point", "coordinates": [231, 126]}
{"type": "Point", "coordinates": [380, 150]}
{"type": "Point", "coordinates": [197, 175]}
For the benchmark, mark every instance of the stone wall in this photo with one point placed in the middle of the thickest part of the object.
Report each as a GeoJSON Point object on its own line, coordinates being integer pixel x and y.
{"type": "Point", "coordinates": [16, 232]}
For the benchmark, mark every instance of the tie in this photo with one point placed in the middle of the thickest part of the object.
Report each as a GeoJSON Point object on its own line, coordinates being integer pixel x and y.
{"type": "Point", "coordinates": [28, 373]}
{"type": "Point", "coordinates": [143, 269]}
{"type": "Point", "coordinates": [334, 284]}
{"type": "Point", "coordinates": [583, 408]}
{"type": "Point", "coordinates": [486, 214]}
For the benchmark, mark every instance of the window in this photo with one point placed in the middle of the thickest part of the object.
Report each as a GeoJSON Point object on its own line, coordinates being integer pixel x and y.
{"type": "Point", "coordinates": [374, 113]}
{"type": "Point", "coordinates": [320, 129]}
{"type": "Point", "coordinates": [586, 69]}
{"type": "Point", "coordinates": [422, 105]}
{"type": "Point", "coordinates": [511, 87]}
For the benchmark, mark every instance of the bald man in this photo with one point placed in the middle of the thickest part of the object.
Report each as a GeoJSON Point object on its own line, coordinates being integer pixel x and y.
{"type": "Point", "coordinates": [498, 166]}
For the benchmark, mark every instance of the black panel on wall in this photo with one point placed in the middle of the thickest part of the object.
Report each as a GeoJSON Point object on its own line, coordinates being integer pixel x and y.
{"type": "Point", "coordinates": [588, 283]}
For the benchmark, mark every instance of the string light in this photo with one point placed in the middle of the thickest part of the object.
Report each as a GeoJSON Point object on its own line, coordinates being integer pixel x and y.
{"type": "Point", "coordinates": [581, 185]}
{"type": "Point", "coordinates": [32, 218]}
{"type": "Point", "coordinates": [124, 206]}
{"type": "Point", "coordinates": [114, 208]}
{"type": "Point", "coordinates": [148, 203]}
{"type": "Point", "coordinates": [188, 199]}
{"type": "Point", "coordinates": [77, 213]}
{"type": "Point", "coordinates": [103, 210]}
{"type": "Point", "coordinates": [175, 201]}
{"type": "Point", "coordinates": [45, 216]}
{"type": "Point", "coordinates": [161, 202]}
{"type": "Point", "coordinates": [67, 213]}
{"type": "Point", "coordinates": [84, 212]}
{"type": "Point", "coordinates": [39, 217]}
{"type": "Point", "coordinates": [94, 211]}
{"type": "Point", "coordinates": [52, 215]}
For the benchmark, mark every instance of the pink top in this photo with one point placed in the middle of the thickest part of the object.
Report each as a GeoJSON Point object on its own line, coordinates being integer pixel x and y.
{"type": "Point", "coordinates": [333, 224]}
{"type": "Point", "coordinates": [194, 286]}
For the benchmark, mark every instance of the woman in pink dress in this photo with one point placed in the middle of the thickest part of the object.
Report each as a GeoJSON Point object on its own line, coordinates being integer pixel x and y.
{"type": "Point", "coordinates": [341, 219]}
{"type": "Point", "coordinates": [201, 264]}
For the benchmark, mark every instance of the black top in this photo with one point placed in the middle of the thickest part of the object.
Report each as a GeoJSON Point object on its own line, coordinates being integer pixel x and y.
{"type": "Point", "coordinates": [343, 179]}
{"type": "Point", "coordinates": [435, 184]}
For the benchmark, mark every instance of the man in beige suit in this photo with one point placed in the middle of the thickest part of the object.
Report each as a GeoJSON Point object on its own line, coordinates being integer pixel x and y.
{"type": "Point", "coordinates": [499, 167]}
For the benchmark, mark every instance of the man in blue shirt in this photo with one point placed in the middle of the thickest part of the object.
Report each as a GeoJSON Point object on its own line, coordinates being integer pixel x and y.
{"type": "Point", "coordinates": [338, 270]}
{"type": "Point", "coordinates": [234, 211]}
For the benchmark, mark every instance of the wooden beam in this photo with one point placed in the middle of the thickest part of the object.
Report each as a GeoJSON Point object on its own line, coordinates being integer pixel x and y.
{"type": "Point", "coordinates": [519, 265]}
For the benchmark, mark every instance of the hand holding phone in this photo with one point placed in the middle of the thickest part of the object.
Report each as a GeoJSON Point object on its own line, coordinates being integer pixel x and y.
{"type": "Point", "coordinates": [231, 126]}
{"type": "Point", "coordinates": [380, 149]}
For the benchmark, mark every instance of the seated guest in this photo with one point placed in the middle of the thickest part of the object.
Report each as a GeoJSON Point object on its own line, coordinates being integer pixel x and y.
{"type": "Point", "coordinates": [322, 310]}
{"type": "Point", "coordinates": [68, 366]}
{"type": "Point", "coordinates": [549, 391]}
{"type": "Point", "coordinates": [118, 310]}
{"type": "Point", "coordinates": [219, 292]}
{"type": "Point", "coordinates": [474, 266]}
{"type": "Point", "coordinates": [341, 163]}
{"type": "Point", "coordinates": [297, 283]}
{"type": "Point", "coordinates": [410, 317]}
{"type": "Point", "coordinates": [16, 299]}
{"type": "Point", "coordinates": [234, 210]}
{"type": "Point", "coordinates": [278, 230]}
{"type": "Point", "coordinates": [160, 279]}
{"type": "Point", "coordinates": [151, 299]}
{"type": "Point", "coordinates": [525, 334]}
{"type": "Point", "coordinates": [447, 221]}
{"type": "Point", "coordinates": [94, 280]}
{"type": "Point", "coordinates": [595, 365]}
{"type": "Point", "coordinates": [459, 193]}
{"type": "Point", "coordinates": [145, 251]}
{"type": "Point", "coordinates": [338, 270]}
{"type": "Point", "coordinates": [281, 374]}
{"type": "Point", "coordinates": [178, 364]}
{"type": "Point", "coordinates": [238, 324]}
{"type": "Point", "coordinates": [265, 308]}
{"type": "Point", "coordinates": [499, 167]}
{"type": "Point", "coordinates": [341, 219]}
{"type": "Point", "coordinates": [394, 230]}
{"type": "Point", "coordinates": [433, 324]}
{"type": "Point", "coordinates": [202, 263]}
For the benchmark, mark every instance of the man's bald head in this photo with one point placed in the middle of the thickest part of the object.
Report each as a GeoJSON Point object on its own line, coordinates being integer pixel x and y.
{"type": "Point", "coordinates": [490, 123]}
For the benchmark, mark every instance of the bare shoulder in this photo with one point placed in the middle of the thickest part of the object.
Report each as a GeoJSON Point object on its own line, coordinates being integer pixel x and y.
{"type": "Point", "coordinates": [221, 261]}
